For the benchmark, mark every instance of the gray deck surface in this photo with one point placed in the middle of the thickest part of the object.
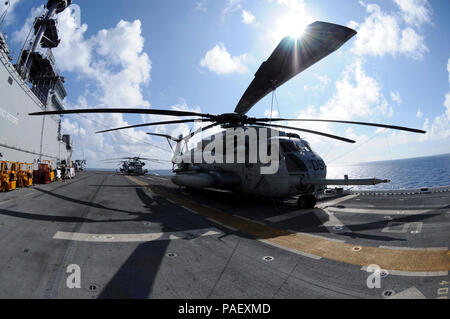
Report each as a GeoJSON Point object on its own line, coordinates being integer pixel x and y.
{"type": "Point", "coordinates": [132, 242]}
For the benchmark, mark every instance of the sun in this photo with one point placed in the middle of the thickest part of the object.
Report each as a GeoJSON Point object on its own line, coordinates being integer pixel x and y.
{"type": "Point", "coordinates": [292, 25]}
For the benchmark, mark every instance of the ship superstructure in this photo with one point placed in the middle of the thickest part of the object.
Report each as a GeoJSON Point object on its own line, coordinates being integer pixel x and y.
{"type": "Point", "coordinates": [33, 84]}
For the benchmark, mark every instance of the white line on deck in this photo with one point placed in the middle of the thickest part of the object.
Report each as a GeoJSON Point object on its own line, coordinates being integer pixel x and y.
{"type": "Point", "coordinates": [33, 193]}
{"type": "Point", "coordinates": [161, 178]}
{"type": "Point", "coordinates": [221, 224]}
{"type": "Point", "coordinates": [378, 211]}
{"type": "Point", "coordinates": [117, 238]}
{"type": "Point", "coordinates": [410, 293]}
{"type": "Point", "coordinates": [413, 273]}
{"type": "Point", "coordinates": [190, 210]}
{"type": "Point", "coordinates": [414, 248]}
{"type": "Point", "coordinates": [294, 214]}
{"type": "Point", "coordinates": [316, 236]}
{"type": "Point", "coordinates": [6, 201]}
{"type": "Point", "coordinates": [290, 250]}
{"type": "Point", "coordinates": [250, 220]}
{"type": "Point", "coordinates": [335, 201]}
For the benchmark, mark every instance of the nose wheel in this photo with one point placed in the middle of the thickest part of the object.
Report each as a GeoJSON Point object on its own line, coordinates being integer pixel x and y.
{"type": "Point", "coordinates": [306, 201]}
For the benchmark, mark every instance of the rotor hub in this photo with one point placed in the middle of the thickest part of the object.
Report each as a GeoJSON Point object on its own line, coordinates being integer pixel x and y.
{"type": "Point", "coordinates": [231, 119]}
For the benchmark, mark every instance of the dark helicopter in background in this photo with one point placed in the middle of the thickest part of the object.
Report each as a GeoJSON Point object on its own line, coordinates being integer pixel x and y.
{"type": "Point", "coordinates": [133, 165]}
{"type": "Point", "coordinates": [301, 171]}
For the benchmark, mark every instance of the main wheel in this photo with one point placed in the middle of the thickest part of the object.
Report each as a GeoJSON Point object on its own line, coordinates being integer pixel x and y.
{"type": "Point", "coordinates": [306, 201]}
{"type": "Point", "coordinates": [311, 201]}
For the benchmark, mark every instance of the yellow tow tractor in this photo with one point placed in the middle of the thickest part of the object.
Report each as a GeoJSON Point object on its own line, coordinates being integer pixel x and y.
{"type": "Point", "coordinates": [25, 174]}
{"type": "Point", "coordinates": [8, 176]}
{"type": "Point", "coordinates": [50, 169]}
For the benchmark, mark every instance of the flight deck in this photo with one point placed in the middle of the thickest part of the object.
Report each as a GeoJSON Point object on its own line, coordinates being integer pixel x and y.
{"type": "Point", "coordinates": [144, 237]}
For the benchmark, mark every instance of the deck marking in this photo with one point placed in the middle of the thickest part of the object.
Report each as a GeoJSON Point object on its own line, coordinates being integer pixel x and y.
{"type": "Point", "coordinates": [379, 211]}
{"type": "Point", "coordinates": [417, 226]}
{"type": "Point", "coordinates": [160, 178]}
{"type": "Point", "coordinates": [331, 222]}
{"type": "Point", "coordinates": [413, 273]}
{"type": "Point", "coordinates": [250, 220]}
{"type": "Point", "coordinates": [287, 216]}
{"type": "Point", "coordinates": [414, 248]}
{"type": "Point", "coordinates": [221, 224]}
{"type": "Point", "coordinates": [398, 260]}
{"type": "Point", "coordinates": [317, 236]}
{"type": "Point", "coordinates": [6, 201]}
{"type": "Point", "coordinates": [294, 214]}
{"type": "Point", "coordinates": [336, 201]}
{"type": "Point", "coordinates": [29, 194]}
{"type": "Point", "coordinates": [188, 209]}
{"type": "Point", "coordinates": [268, 242]}
{"type": "Point", "coordinates": [410, 293]}
{"type": "Point", "coordinates": [126, 238]}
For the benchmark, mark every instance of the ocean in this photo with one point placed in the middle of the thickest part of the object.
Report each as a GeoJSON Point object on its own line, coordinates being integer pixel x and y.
{"type": "Point", "coordinates": [430, 171]}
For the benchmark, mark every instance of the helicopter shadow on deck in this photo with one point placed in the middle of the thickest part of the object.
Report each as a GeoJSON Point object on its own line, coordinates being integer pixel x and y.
{"type": "Point", "coordinates": [136, 275]}
{"type": "Point", "coordinates": [310, 221]}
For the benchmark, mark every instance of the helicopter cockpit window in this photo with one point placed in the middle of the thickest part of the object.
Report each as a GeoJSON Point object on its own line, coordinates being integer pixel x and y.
{"type": "Point", "coordinates": [288, 146]}
{"type": "Point", "coordinates": [292, 146]}
{"type": "Point", "coordinates": [307, 148]}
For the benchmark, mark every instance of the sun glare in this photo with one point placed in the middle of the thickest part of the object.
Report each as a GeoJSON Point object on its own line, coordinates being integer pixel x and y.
{"type": "Point", "coordinates": [291, 25]}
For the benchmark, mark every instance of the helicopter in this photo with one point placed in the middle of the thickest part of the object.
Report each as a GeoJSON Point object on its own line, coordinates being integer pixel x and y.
{"type": "Point", "coordinates": [133, 165]}
{"type": "Point", "coordinates": [79, 165]}
{"type": "Point", "coordinates": [299, 171]}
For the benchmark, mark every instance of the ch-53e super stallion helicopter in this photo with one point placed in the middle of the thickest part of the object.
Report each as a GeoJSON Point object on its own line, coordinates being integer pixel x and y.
{"type": "Point", "coordinates": [300, 170]}
{"type": "Point", "coordinates": [132, 165]}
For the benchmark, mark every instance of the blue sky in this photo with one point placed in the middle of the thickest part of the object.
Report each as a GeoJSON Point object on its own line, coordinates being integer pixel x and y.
{"type": "Point", "coordinates": [202, 54]}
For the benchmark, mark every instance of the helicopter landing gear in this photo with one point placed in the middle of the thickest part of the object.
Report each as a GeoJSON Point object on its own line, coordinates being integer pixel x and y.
{"type": "Point", "coordinates": [306, 201]}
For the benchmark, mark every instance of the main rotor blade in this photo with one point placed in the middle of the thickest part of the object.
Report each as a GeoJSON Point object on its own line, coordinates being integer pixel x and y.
{"type": "Point", "coordinates": [150, 124]}
{"type": "Point", "coordinates": [202, 129]}
{"type": "Point", "coordinates": [125, 110]}
{"type": "Point", "coordinates": [394, 127]}
{"type": "Point", "coordinates": [166, 136]}
{"type": "Point", "coordinates": [293, 56]}
{"type": "Point", "coordinates": [308, 131]}
{"type": "Point", "coordinates": [153, 159]}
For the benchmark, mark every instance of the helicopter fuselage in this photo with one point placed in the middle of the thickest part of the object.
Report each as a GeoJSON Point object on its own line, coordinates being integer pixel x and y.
{"type": "Point", "coordinates": [296, 162]}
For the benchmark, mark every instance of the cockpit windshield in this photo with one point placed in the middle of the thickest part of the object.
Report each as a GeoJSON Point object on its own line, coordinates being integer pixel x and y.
{"type": "Point", "coordinates": [290, 146]}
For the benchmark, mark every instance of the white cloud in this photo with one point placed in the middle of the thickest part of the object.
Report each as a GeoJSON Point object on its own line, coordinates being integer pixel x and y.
{"type": "Point", "coordinates": [115, 68]}
{"type": "Point", "coordinates": [396, 97]}
{"type": "Point", "coordinates": [353, 25]}
{"type": "Point", "coordinates": [113, 58]}
{"type": "Point", "coordinates": [201, 5]}
{"type": "Point", "coordinates": [357, 95]}
{"type": "Point", "coordinates": [271, 114]}
{"type": "Point", "coordinates": [218, 60]}
{"type": "Point", "coordinates": [440, 126]}
{"type": "Point", "coordinates": [19, 36]}
{"type": "Point", "coordinates": [419, 113]}
{"type": "Point", "coordinates": [247, 17]}
{"type": "Point", "coordinates": [293, 4]}
{"type": "Point", "coordinates": [412, 44]}
{"type": "Point", "coordinates": [381, 34]}
{"type": "Point", "coordinates": [232, 5]}
{"type": "Point", "coordinates": [324, 81]}
{"type": "Point", "coordinates": [448, 70]}
{"type": "Point", "coordinates": [415, 12]}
